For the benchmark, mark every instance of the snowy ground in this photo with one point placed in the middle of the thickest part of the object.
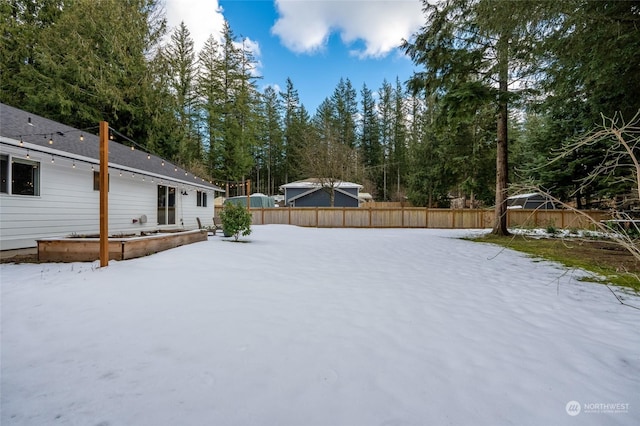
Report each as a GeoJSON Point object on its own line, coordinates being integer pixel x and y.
{"type": "Point", "coordinates": [317, 327]}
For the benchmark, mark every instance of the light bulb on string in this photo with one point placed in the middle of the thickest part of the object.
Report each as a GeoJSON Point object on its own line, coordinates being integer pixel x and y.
{"type": "Point", "coordinates": [52, 160]}
{"type": "Point", "coordinates": [132, 148]}
{"type": "Point", "coordinates": [21, 142]}
{"type": "Point", "coordinates": [74, 164]}
{"type": "Point", "coordinates": [51, 140]}
{"type": "Point", "coordinates": [148, 156]}
{"type": "Point", "coordinates": [28, 156]}
{"type": "Point", "coordinates": [81, 137]}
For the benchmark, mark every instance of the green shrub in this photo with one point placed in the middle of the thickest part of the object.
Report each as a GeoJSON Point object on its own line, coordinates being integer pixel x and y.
{"type": "Point", "coordinates": [236, 220]}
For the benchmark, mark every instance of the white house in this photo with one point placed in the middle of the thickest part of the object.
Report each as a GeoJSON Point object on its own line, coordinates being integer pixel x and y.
{"type": "Point", "coordinates": [49, 185]}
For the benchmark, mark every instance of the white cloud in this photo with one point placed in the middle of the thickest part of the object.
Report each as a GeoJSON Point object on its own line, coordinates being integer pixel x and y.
{"type": "Point", "coordinates": [202, 18]}
{"type": "Point", "coordinates": [305, 26]}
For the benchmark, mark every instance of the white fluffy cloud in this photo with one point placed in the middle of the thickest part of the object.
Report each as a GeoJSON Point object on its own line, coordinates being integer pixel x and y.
{"type": "Point", "coordinates": [304, 26]}
{"type": "Point", "coordinates": [202, 18]}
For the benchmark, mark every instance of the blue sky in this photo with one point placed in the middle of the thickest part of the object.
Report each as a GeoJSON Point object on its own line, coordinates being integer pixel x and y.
{"type": "Point", "coordinates": [312, 42]}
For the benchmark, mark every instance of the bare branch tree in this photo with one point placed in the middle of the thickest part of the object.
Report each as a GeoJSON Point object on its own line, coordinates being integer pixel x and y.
{"type": "Point", "coordinates": [330, 162]}
{"type": "Point", "coordinates": [621, 162]}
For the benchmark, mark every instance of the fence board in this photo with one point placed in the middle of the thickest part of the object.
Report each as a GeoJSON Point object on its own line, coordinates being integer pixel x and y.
{"type": "Point", "coordinates": [418, 217]}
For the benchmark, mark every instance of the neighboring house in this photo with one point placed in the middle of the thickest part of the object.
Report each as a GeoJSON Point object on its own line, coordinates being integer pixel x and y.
{"type": "Point", "coordinates": [50, 185]}
{"type": "Point", "coordinates": [531, 201]}
{"type": "Point", "coordinates": [312, 193]}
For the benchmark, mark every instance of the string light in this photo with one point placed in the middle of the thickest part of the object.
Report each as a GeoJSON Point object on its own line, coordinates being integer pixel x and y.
{"type": "Point", "coordinates": [112, 133]}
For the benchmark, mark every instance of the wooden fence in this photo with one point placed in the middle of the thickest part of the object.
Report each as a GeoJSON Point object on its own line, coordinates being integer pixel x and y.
{"type": "Point", "coordinates": [420, 217]}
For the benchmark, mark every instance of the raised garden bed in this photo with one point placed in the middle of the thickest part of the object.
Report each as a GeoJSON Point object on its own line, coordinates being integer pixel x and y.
{"type": "Point", "coordinates": [77, 249]}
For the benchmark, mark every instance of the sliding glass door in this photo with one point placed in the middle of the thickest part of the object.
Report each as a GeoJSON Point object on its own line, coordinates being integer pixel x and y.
{"type": "Point", "coordinates": [166, 205]}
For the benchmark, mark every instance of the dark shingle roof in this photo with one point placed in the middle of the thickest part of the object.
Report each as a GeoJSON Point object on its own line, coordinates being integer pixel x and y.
{"type": "Point", "coordinates": [17, 124]}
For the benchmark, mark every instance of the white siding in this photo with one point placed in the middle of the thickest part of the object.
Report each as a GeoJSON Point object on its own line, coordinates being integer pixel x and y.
{"type": "Point", "coordinates": [191, 211]}
{"type": "Point", "coordinates": [67, 204]}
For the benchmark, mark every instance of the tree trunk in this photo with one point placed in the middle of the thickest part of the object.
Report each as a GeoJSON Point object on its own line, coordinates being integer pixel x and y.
{"type": "Point", "coordinates": [502, 160]}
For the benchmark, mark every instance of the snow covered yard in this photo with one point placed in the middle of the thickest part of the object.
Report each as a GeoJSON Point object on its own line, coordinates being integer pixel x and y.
{"type": "Point", "coordinates": [317, 327]}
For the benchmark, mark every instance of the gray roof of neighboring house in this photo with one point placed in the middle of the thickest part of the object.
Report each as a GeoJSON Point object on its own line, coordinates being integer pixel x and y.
{"type": "Point", "coordinates": [317, 183]}
{"type": "Point", "coordinates": [19, 125]}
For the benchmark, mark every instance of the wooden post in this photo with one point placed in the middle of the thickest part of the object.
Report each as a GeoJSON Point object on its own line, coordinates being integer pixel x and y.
{"type": "Point", "coordinates": [248, 194]}
{"type": "Point", "coordinates": [104, 194]}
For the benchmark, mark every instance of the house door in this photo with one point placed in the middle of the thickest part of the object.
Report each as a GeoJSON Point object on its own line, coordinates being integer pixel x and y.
{"type": "Point", "coordinates": [166, 205]}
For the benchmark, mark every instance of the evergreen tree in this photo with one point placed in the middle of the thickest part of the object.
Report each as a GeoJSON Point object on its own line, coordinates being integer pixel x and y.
{"type": "Point", "coordinates": [181, 64]}
{"type": "Point", "coordinates": [591, 69]}
{"type": "Point", "coordinates": [212, 104]}
{"type": "Point", "coordinates": [475, 49]}
{"type": "Point", "coordinates": [270, 158]}
{"type": "Point", "coordinates": [370, 148]}
{"type": "Point", "coordinates": [398, 158]}
{"type": "Point", "coordinates": [90, 66]}
{"type": "Point", "coordinates": [345, 108]}
{"type": "Point", "coordinates": [296, 123]}
{"type": "Point", "coordinates": [386, 120]}
{"type": "Point", "coordinates": [239, 98]}
{"type": "Point", "coordinates": [22, 23]}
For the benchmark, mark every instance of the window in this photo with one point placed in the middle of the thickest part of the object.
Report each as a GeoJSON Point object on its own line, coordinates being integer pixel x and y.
{"type": "Point", "coordinates": [24, 176]}
{"type": "Point", "coordinates": [201, 199]}
{"type": "Point", "coordinates": [4, 173]}
{"type": "Point", "coordinates": [96, 181]}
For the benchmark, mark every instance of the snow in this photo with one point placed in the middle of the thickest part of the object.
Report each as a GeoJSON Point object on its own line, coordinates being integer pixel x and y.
{"type": "Point", "coordinates": [305, 326]}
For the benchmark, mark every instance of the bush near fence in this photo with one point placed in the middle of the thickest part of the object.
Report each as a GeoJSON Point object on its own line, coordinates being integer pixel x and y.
{"type": "Point", "coordinates": [419, 217]}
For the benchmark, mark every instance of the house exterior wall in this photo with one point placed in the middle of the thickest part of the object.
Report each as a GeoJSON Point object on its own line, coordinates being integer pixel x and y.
{"type": "Point", "coordinates": [321, 198]}
{"type": "Point", "coordinates": [68, 204]}
{"type": "Point", "coordinates": [189, 209]}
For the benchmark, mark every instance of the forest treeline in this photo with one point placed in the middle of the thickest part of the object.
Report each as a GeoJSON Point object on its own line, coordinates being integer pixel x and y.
{"type": "Point", "coordinates": [501, 87]}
